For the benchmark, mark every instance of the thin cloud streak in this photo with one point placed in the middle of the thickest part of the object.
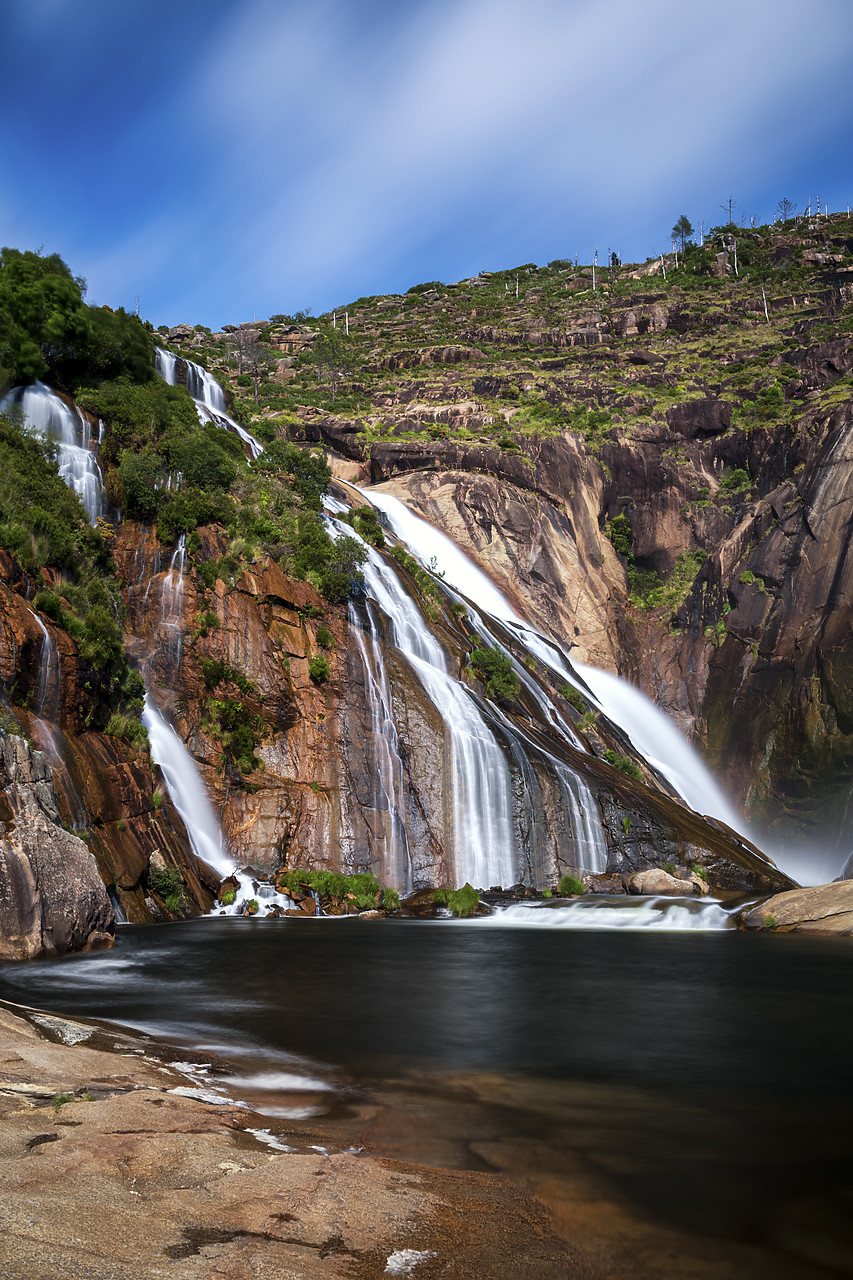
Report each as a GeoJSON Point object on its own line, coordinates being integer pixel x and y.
{"type": "Point", "coordinates": [314, 151]}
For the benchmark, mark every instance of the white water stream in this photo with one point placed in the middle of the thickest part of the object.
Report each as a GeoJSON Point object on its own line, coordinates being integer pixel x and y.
{"type": "Point", "coordinates": [47, 415]}
{"type": "Point", "coordinates": [207, 393]}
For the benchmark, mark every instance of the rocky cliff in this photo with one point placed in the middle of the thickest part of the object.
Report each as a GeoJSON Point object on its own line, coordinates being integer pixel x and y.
{"type": "Point", "coordinates": [51, 896]}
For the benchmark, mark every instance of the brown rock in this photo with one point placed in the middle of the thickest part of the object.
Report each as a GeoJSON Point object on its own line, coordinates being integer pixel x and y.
{"type": "Point", "coordinates": [822, 908]}
{"type": "Point", "coordinates": [51, 896]}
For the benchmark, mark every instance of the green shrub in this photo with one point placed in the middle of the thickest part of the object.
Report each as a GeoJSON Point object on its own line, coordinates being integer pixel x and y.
{"type": "Point", "coordinates": [252, 907]}
{"type": "Point", "coordinates": [570, 886]}
{"type": "Point", "coordinates": [319, 669]}
{"type": "Point", "coordinates": [228, 898]}
{"type": "Point", "coordinates": [624, 763]}
{"type": "Point", "coordinates": [325, 639]}
{"type": "Point", "coordinates": [390, 900]}
{"type": "Point", "coordinates": [460, 902]}
{"type": "Point", "coordinates": [770, 922]}
{"type": "Point", "coordinates": [621, 534]}
{"type": "Point", "coordinates": [573, 697]}
{"type": "Point", "coordinates": [495, 669]}
{"type": "Point", "coordinates": [166, 882]}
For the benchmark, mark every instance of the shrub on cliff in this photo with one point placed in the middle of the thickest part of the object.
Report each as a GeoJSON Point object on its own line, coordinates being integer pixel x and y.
{"type": "Point", "coordinates": [496, 670]}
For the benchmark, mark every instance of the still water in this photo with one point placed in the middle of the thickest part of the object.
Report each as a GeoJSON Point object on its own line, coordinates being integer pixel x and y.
{"type": "Point", "coordinates": [682, 1101]}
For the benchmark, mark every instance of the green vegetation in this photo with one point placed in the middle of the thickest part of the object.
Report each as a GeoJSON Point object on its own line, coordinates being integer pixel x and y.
{"type": "Point", "coordinates": [59, 1100]}
{"type": "Point", "coordinates": [47, 331]}
{"type": "Point", "coordinates": [228, 898]}
{"type": "Point", "coordinates": [461, 903]}
{"type": "Point", "coordinates": [624, 763]}
{"type": "Point", "coordinates": [325, 639]}
{"type": "Point", "coordinates": [495, 669]}
{"type": "Point", "coordinates": [621, 535]}
{"type": "Point", "coordinates": [43, 525]}
{"type": "Point", "coordinates": [252, 907]}
{"type": "Point", "coordinates": [770, 922]}
{"type": "Point", "coordinates": [573, 697]}
{"type": "Point", "coordinates": [647, 591]}
{"type": "Point", "coordinates": [570, 886]}
{"type": "Point", "coordinates": [319, 669]}
{"type": "Point", "coordinates": [390, 900]}
{"type": "Point", "coordinates": [168, 884]}
{"type": "Point", "coordinates": [366, 523]}
{"type": "Point", "coordinates": [336, 891]}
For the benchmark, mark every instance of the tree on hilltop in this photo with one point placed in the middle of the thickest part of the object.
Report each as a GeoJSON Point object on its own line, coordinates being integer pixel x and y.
{"type": "Point", "coordinates": [333, 356]}
{"type": "Point", "coordinates": [682, 230]}
{"type": "Point", "coordinates": [785, 210]}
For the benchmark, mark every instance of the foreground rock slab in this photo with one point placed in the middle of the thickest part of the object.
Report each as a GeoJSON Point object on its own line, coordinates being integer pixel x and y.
{"type": "Point", "coordinates": [823, 908]}
{"type": "Point", "coordinates": [129, 1180]}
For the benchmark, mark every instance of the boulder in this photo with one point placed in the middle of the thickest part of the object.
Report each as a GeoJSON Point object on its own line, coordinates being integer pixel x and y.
{"type": "Point", "coordinates": [658, 881]}
{"type": "Point", "coordinates": [52, 899]}
{"type": "Point", "coordinates": [822, 908]}
{"type": "Point", "coordinates": [700, 418]}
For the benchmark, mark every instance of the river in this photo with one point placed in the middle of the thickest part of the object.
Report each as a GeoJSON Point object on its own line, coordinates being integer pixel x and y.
{"type": "Point", "coordinates": [681, 1099]}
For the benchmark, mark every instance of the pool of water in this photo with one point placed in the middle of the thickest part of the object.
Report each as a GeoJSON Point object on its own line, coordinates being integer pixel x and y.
{"type": "Point", "coordinates": [694, 1086]}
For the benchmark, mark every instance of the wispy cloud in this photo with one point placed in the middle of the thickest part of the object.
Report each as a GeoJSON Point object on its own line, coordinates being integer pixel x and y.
{"type": "Point", "coordinates": [307, 153]}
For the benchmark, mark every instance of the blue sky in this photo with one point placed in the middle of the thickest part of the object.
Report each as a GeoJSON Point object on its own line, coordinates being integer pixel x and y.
{"type": "Point", "coordinates": [238, 158]}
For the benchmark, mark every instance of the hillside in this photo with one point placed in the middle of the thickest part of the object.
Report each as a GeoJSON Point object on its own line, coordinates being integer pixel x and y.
{"type": "Point", "coordinates": [655, 469]}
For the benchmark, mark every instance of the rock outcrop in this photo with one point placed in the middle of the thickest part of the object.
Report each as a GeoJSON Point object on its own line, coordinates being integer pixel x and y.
{"type": "Point", "coordinates": [179, 1187]}
{"type": "Point", "coordinates": [52, 899]}
{"type": "Point", "coordinates": [824, 908]}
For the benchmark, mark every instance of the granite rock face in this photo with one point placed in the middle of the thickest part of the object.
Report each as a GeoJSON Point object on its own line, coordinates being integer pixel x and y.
{"type": "Point", "coordinates": [823, 908]}
{"type": "Point", "coordinates": [52, 899]}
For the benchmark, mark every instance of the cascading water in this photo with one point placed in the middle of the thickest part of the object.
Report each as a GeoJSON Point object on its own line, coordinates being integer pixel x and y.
{"type": "Point", "coordinates": [388, 798]}
{"type": "Point", "coordinates": [49, 416]}
{"type": "Point", "coordinates": [207, 393]}
{"type": "Point", "coordinates": [499, 832]}
{"type": "Point", "coordinates": [478, 768]}
{"type": "Point", "coordinates": [186, 789]}
{"type": "Point", "coordinates": [45, 665]}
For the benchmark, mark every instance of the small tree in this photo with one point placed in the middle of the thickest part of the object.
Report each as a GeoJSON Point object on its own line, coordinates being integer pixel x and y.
{"type": "Point", "coordinates": [785, 210]}
{"type": "Point", "coordinates": [257, 361]}
{"type": "Point", "coordinates": [682, 230]}
{"type": "Point", "coordinates": [333, 357]}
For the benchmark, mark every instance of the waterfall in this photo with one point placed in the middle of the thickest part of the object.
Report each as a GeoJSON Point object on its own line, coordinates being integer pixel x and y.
{"type": "Point", "coordinates": [207, 393]}
{"type": "Point", "coordinates": [172, 597]}
{"type": "Point", "coordinates": [389, 792]}
{"type": "Point", "coordinates": [45, 664]}
{"type": "Point", "coordinates": [49, 416]}
{"type": "Point", "coordinates": [186, 790]}
{"type": "Point", "coordinates": [498, 796]}
{"type": "Point", "coordinates": [483, 852]}
{"type": "Point", "coordinates": [664, 747]}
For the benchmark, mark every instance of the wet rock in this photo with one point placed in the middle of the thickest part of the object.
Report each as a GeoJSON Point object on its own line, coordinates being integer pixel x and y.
{"type": "Point", "coordinates": [52, 899]}
{"type": "Point", "coordinates": [822, 908]}
{"type": "Point", "coordinates": [615, 882]}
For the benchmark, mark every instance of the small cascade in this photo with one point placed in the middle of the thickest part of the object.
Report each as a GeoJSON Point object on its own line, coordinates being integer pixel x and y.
{"type": "Point", "coordinates": [389, 793]}
{"type": "Point", "coordinates": [186, 790]}
{"type": "Point", "coordinates": [51, 741]}
{"type": "Point", "coordinates": [478, 767]}
{"type": "Point", "coordinates": [592, 912]}
{"type": "Point", "coordinates": [46, 663]}
{"type": "Point", "coordinates": [49, 416]}
{"type": "Point", "coordinates": [172, 597]}
{"type": "Point", "coordinates": [207, 393]}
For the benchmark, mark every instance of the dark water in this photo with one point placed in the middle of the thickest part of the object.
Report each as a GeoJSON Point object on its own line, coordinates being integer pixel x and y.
{"type": "Point", "coordinates": [705, 1077]}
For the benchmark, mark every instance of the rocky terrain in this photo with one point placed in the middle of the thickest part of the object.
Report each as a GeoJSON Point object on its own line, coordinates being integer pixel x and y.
{"type": "Point", "coordinates": [653, 467]}
{"type": "Point", "coordinates": [656, 470]}
{"type": "Point", "coordinates": [109, 1171]}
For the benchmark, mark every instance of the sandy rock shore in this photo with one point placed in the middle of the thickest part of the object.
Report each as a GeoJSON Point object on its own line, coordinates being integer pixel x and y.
{"type": "Point", "coordinates": [107, 1173]}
